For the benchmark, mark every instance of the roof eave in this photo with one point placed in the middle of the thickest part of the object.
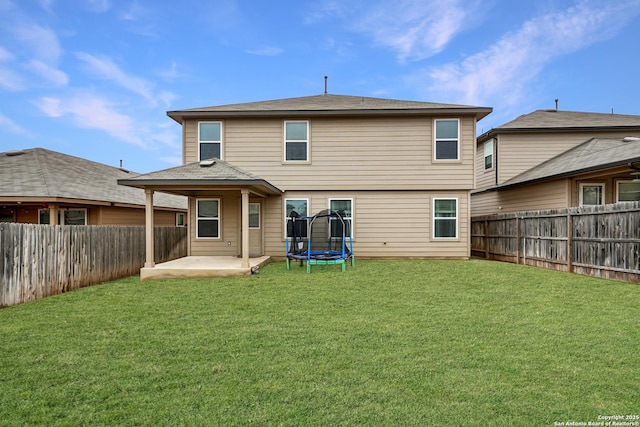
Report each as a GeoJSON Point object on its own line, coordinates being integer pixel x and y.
{"type": "Point", "coordinates": [160, 184]}
{"type": "Point", "coordinates": [495, 131]}
{"type": "Point", "coordinates": [479, 113]}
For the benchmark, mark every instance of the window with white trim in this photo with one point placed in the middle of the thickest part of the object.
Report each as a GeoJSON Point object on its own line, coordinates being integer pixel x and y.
{"type": "Point", "coordinates": [447, 139]}
{"type": "Point", "coordinates": [208, 218]}
{"type": "Point", "coordinates": [180, 219]}
{"type": "Point", "coordinates": [65, 216]}
{"type": "Point", "coordinates": [445, 218]}
{"type": "Point", "coordinates": [209, 140]}
{"type": "Point", "coordinates": [591, 194]}
{"type": "Point", "coordinates": [488, 154]}
{"type": "Point", "coordinates": [254, 215]}
{"type": "Point", "coordinates": [300, 207]}
{"type": "Point", "coordinates": [628, 191]}
{"type": "Point", "coordinates": [343, 207]}
{"type": "Point", "coordinates": [296, 141]}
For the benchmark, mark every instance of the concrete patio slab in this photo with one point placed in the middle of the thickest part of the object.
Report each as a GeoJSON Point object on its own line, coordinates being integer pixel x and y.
{"type": "Point", "coordinates": [202, 266]}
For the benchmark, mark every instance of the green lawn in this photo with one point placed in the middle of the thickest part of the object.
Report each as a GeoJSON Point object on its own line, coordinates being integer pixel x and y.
{"type": "Point", "coordinates": [462, 343]}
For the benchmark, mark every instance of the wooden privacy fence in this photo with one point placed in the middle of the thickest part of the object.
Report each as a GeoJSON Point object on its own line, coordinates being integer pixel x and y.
{"type": "Point", "coordinates": [601, 241]}
{"type": "Point", "coordinates": [37, 261]}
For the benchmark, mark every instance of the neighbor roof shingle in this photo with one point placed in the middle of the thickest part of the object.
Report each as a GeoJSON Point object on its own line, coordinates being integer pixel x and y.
{"type": "Point", "coordinates": [37, 172]}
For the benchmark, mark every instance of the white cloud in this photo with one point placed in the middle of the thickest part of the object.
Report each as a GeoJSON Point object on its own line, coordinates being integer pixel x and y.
{"type": "Point", "coordinates": [92, 112]}
{"type": "Point", "coordinates": [99, 6]}
{"type": "Point", "coordinates": [10, 80]}
{"type": "Point", "coordinates": [266, 51]}
{"type": "Point", "coordinates": [11, 126]}
{"type": "Point", "coordinates": [504, 70]}
{"type": "Point", "coordinates": [170, 73]}
{"type": "Point", "coordinates": [416, 29]}
{"type": "Point", "coordinates": [48, 73]}
{"type": "Point", "coordinates": [108, 70]}
{"type": "Point", "coordinates": [40, 50]}
{"type": "Point", "coordinates": [5, 55]}
{"type": "Point", "coordinates": [88, 110]}
{"type": "Point", "coordinates": [43, 42]}
{"type": "Point", "coordinates": [413, 29]}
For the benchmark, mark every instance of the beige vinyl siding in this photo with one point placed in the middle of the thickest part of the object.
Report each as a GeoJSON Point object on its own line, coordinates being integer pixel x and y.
{"type": "Point", "coordinates": [547, 195]}
{"type": "Point", "coordinates": [520, 152]}
{"type": "Point", "coordinates": [485, 203]}
{"type": "Point", "coordinates": [347, 154]}
{"type": "Point", "coordinates": [485, 178]}
{"type": "Point", "coordinates": [387, 224]}
{"type": "Point", "coordinates": [229, 242]}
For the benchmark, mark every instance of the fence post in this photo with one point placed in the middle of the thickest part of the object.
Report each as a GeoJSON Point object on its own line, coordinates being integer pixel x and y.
{"type": "Point", "coordinates": [486, 239]}
{"type": "Point", "coordinates": [517, 240]}
{"type": "Point", "coordinates": [569, 242]}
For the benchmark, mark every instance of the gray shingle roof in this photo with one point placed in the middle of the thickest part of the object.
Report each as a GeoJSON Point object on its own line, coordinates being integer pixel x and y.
{"type": "Point", "coordinates": [594, 154]}
{"type": "Point", "coordinates": [211, 173]}
{"type": "Point", "coordinates": [329, 104]}
{"type": "Point", "coordinates": [45, 174]}
{"type": "Point", "coordinates": [559, 120]}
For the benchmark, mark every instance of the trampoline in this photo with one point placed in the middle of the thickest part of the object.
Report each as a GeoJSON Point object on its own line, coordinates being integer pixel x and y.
{"type": "Point", "coordinates": [322, 239]}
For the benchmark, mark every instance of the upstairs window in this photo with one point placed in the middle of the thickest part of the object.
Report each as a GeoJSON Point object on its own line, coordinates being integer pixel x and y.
{"type": "Point", "coordinates": [488, 154]}
{"type": "Point", "coordinates": [447, 139]}
{"type": "Point", "coordinates": [296, 141]}
{"type": "Point", "coordinates": [209, 140]}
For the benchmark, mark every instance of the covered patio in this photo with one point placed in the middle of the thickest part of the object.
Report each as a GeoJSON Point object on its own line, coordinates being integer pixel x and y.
{"type": "Point", "coordinates": [215, 254]}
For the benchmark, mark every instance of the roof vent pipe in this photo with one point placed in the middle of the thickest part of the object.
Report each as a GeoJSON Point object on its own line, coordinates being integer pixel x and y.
{"type": "Point", "coordinates": [556, 104]}
{"type": "Point", "coordinates": [325, 84]}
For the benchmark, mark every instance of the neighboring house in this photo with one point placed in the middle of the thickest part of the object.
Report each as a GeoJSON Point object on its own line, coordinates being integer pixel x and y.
{"type": "Point", "coordinates": [46, 187]}
{"type": "Point", "coordinates": [552, 159]}
{"type": "Point", "coordinates": [402, 171]}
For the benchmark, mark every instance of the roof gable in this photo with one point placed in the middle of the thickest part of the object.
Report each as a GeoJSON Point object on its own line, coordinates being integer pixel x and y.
{"type": "Point", "coordinates": [46, 174]}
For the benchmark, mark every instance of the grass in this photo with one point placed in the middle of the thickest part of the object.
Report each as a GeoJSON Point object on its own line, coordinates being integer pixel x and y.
{"type": "Point", "coordinates": [384, 343]}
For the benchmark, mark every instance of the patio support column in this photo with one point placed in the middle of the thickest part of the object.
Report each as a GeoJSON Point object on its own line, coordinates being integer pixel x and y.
{"type": "Point", "coordinates": [245, 228]}
{"type": "Point", "coordinates": [148, 227]}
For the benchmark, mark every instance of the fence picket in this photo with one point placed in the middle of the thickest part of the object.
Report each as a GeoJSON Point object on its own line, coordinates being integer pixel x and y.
{"type": "Point", "coordinates": [601, 241]}
{"type": "Point", "coordinates": [37, 261]}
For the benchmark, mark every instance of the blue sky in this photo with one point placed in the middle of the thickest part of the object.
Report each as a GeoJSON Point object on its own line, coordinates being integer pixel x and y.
{"type": "Point", "coordinates": [95, 78]}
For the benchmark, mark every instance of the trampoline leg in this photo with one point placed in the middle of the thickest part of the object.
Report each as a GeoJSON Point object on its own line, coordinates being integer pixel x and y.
{"type": "Point", "coordinates": [288, 262]}
{"type": "Point", "coordinates": [343, 266]}
{"type": "Point", "coordinates": [308, 267]}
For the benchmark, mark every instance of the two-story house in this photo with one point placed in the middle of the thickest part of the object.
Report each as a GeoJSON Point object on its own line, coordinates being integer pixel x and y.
{"type": "Point", "coordinates": [401, 171]}
{"type": "Point", "coordinates": [552, 159]}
